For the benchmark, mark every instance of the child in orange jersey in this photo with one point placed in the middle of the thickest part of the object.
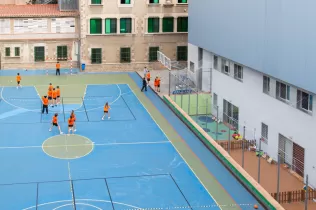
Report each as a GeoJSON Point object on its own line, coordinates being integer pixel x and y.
{"type": "Point", "coordinates": [54, 94]}
{"type": "Point", "coordinates": [55, 123]}
{"type": "Point", "coordinates": [18, 80]}
{"type": "Point", "coordinates": [74, 118]}
{"type": "Point", "coordinates": [50, 97]}
{"type": "Point", "coordinates": [148, 77]}
{"type": "Point", "coordinates": [58, 94]}
{"type": "Point", "coordinates": [71, 122]}
{"type": "Point", "coordinates": [106, 110]}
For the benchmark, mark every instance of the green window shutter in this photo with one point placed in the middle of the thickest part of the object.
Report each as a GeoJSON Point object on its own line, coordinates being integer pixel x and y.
{"type": "Point", "coordinates": [125, 55]}
{"type": "Point", "coordinates": [39, 54]}
{"type": "Point", "coordinates": [7, 51]}
{"type": "Point", "coordinates": [96, 1]}
{"type": "Point", "coordinates": [95, 26]}
{"type": "Point", "coordinates": [107, 26]}
{"type": "Point", "coordinates": [153, 25]}
{"type": "Point", "coordinates": [167, 24]}
{"type": "Point", "coordinates": [110, 25]}
{"type": "Point", "coordinates": [182, 24]}
{"type": "Point", "coordinates": [127, 1]}
{"type": "Point", "coordinates": [62, 53]}
{"type": "Point", "coordinates": [17, 51]}
{"type": "Point", "coordinates": [182, 53]}
{"type": "Point", "coordinates": [96, 55]}
{"type": "Point", "coordinates": [153, 54]}
{"type": "Point", "coordinates": [150, 25]}
{"type": "Point", "coordinates": [125, 25]}
{"type": "Point", "coordinates": [156, 1]}
{"type": "Point", "coordinates": [183, 1]}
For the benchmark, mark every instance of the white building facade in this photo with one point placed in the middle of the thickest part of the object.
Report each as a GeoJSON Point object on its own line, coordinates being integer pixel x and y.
{"type": "Point", "coordinates": [279, 106]}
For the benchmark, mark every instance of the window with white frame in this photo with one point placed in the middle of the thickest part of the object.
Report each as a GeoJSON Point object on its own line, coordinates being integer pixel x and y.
{"type": "Point", "coordinates": [264, 133]}
{"type": "Point", "coordinates": [225, 66]}
{"type": "Point", "coordinates": [238, 72]}
{"type": "Point", "coordinates": [282, 91]}
{"type": "Point", "coordinates": [266, 84]}
{"type": "Point", "coordinates": [215, 62]}
{"type": "Point", "coordinates": [304, 101]}
{"type": "Point", "coordinates": [191, 66]}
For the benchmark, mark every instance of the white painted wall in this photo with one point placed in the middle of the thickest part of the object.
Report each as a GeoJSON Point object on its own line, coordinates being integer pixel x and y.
{"type": "Point", "coordinates": [256, 107]}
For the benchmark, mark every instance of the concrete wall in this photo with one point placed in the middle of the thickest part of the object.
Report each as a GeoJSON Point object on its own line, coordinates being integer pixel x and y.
{"type": "Point", "coordinates": [256, 107]}
{"type": "Point", "coordinates": [275, 37]}
{"type": "Point", "coordinates": [139, 40]}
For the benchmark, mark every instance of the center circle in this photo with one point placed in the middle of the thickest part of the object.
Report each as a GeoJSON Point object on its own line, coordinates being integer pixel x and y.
{"type": "Point", "coordinates": [67, 146]}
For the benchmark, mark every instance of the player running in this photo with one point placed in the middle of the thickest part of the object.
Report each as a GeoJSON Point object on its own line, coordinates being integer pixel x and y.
{"type": "Point", "coordinates": [55, 123]}
{"type": "Point", "coordinates": [106, 110]}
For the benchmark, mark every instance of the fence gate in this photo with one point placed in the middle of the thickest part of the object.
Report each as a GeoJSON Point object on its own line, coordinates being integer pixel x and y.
{"type": "Point", "coordinates": [298, 159]}
{"type": "Point", "coordinates": [285, 150]}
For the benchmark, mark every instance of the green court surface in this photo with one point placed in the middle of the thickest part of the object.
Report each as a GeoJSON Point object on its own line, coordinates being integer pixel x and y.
{"type": "Point", "coordinates": [199, 107]}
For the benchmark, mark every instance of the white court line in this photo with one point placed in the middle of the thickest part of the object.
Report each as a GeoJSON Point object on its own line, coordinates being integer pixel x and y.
{"type": "Point", "coordinates": [79, 204]}
{"type": "Point", "coordinates": [175, 148]}
{"type": "Point", "coordinates": [91, 200]}
{"type": "Point", "coordinates": [79, 145]}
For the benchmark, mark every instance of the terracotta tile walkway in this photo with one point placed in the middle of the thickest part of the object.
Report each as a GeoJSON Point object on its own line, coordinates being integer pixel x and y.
{"type": "Point", "coordinates": [268, 177]}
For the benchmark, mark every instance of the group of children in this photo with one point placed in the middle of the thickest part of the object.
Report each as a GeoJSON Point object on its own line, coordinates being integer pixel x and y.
{"type": "Point", "coordinates": [156, 81]}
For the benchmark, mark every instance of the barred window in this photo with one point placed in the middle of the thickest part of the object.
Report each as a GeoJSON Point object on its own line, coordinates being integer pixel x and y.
{"type": "Point", "coordinates": [264, 133]}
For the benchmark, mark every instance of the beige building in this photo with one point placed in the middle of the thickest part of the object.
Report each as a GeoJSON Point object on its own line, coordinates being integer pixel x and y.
{"type": "Point", "coordinates": [36, 36]}
{"type": "Point", "coordinates": [126, 34]}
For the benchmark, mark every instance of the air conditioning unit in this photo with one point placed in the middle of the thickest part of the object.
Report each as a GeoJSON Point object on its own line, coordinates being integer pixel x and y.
{"type": "Point", "coordinates": [168, 3]}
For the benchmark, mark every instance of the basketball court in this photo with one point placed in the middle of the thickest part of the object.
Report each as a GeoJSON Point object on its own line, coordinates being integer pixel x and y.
{"type": "Point", "coordinates": [126, 162]}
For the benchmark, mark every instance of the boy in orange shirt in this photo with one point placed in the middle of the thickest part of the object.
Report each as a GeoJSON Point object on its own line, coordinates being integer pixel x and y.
{"type": "Point", "coordinates": [45, 104]}
{"type": "Point", "coordinates": [148, 77]}
{"type": "Point", "coordinates": [58, 94]}
{"type": "Point", "coordinates": [50, 97]}
{"type": "Point", "coordinates": [71, 122]}
{"type": "Point", "coordinates": [106, 110]}
{"type": "Point", "coordinates": [18, 80]}
{"type": "Point", "coordinates": [57, 68]}
{"type": "Point", "coordinates": [54, 95]}
{"type": "Point", "coordinates": [55, 123]}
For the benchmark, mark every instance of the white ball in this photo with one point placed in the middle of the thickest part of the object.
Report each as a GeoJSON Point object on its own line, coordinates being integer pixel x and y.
{"type": "Point", "coordinates": [11, 81]}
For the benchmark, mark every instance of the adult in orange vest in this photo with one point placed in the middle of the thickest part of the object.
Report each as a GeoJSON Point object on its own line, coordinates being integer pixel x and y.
{"type": "Point", "coordinates": [57, 68]}
{"type": "Point", "coordinates": [45, 104]}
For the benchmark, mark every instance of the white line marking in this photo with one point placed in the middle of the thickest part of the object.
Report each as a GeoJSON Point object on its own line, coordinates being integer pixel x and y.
{"type": "Point", "coordinates": [77, 204]}
{"type": "Point", "coordinates": [91, 200]}
{"type": "Point", "coordinates": [176, 148]}
{"type": "Point", "coordinates": [80, 145]}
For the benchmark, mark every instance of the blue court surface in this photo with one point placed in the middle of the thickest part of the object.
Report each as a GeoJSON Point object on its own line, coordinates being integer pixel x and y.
{"type": "Point", "coordinates": [132, 164]}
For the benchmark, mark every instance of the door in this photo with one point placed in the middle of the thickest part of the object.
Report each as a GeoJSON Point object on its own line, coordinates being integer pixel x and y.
{"type": "Point", "coordinates": [285, 150]}
{"type": "Point", "coordinates": [298, 159]}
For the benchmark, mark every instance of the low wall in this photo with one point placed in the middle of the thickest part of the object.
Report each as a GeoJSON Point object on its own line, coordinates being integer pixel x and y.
{"type": "Point", "coordinates": [252, 185]}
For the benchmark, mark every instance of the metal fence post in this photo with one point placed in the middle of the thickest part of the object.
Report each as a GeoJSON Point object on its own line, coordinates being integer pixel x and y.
{"type": "Point", "coordinates": [206, 116]}
{"type": "Point", "coordinates": [243, 151]}
{"type": "Point", "coordinates": [189, 104]}
{"type": "Point", "coordinates": [169, 83]}
{"type": "Point", "coordinates": [229, 141]}
{"type": "Point", "coordinates": [259, 158]}
{"type": "Point", "coordinates": [216, 123]}
{"type": "Point", "coordinates": [197, 102]}
{"type": "Point", "coordinates": [278, 179]}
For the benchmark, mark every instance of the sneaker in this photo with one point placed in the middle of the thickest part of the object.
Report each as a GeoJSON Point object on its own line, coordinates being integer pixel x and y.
{"type": "Point", "coordinates": [50, 130]}
{"type": "Point", "coordinates": [61, 133]}
{"type": "Point", "coordinates": [75, 130]}
{"type": "Point", "coordinates": [17, 87]}
{"type": "Point", "coordinates": [109, 117]}
{"type": "Point", "coordinates": [102, 118]}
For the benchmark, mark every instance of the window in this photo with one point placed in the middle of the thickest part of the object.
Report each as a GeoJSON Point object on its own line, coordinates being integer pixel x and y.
{"type": "Point", "coordinates": [125, 55]}
{"type": "Point", "coordinates": [17, 51]}
{"type": "Point", "coordinates": [167, 24]}
{"type": "Point", "coordinates": [304, 101]}
{"type": "Point", "coordinates": [39, 54]}
{"type": "Point", "coordinates": [182, 53]}
{"type": "Point", "coordinates": [238, 72]}
{"type": "Point", "coordinates": [96, 55]}
{"type": "Point", "coordinates": [95, 26]}
{"type": "Point", "coordinates": [191, 66]}
{"type": "Point", "coordinates": [153, 53]}
{"type": "Point", "coordinates": [7, 51]}
{"type": "Point", "coordinates": [215, 100]}
{"type": "Point", "coordinates": [282, 91]}
{"type": "Point", "coordinates": [182, 24]}
{"type": "Point", "coordinates": [264, 133]}
{"type": "Point", "coordinates": [62, 53]}
{"type": "Point", "coordinates": [153, 25]}
{"type": "Point", "coordinates": [96, 1]}
{"type": "Point", "coordinates": [110, 26]}
{"type": "Point", "coordinates": [266, 84]}
{"type": "Point", "coordinates": [125, 25]}
{"type": "Point", "coordinates": [125, 1]}
{"type": "Point", "coordinates": [225, 66]}
{"type": "Point", "coordinates": [230, 114]}
{"type": "Point", "coordinates": [153, 1]}
{"type": "Point", "coordinates": [215, 64]}
{"type": "Point", "coordinates": [182, 1]}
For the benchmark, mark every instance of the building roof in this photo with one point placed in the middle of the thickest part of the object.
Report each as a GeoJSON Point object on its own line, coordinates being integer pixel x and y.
{"type": "Point", "coordinates": [35, 10]}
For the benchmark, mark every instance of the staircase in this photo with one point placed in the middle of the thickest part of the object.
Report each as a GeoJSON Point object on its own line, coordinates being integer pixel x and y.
{"type": "Point", "coordinates": [46, 1]}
